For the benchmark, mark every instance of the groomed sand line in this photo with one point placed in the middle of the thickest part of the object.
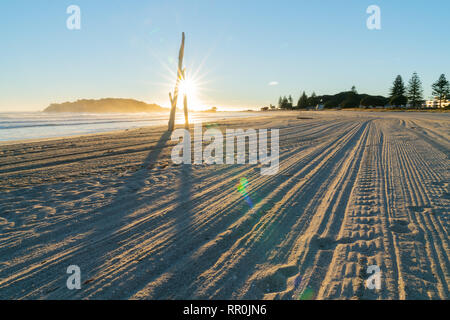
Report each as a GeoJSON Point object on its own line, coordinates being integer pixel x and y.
{"type": "Point", "coordinates": [354, 189]}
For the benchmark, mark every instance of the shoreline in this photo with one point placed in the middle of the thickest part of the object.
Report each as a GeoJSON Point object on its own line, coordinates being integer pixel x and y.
{"type": "Point", "coordinates": [65, 137]}
{"type": "Point", "coordinates": [269, 113]}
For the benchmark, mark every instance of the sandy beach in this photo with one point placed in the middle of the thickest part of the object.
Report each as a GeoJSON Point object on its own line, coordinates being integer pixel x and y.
{"type": "Point", "coordinates": [354, 189]}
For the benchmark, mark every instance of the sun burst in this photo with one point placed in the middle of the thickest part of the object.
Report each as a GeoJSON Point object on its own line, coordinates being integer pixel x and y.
{"type": "Point", "coordinates": [188, 87]}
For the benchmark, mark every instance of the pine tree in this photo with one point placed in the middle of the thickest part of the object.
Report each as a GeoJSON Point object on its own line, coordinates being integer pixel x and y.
{"type": "Point", "coordinates": [441, 89]}
{"type": "Point", "coordinates": [397, 95]}
{"type": "Point", "coordinates": [312, 101]}
{"type": "Point", "coordinates": [398, 88]}
{"type": "Point", "coordinates": [302, 101]}
{"type": "Point", "coordinates": [280, 102]}
{"type": "Point", "coordinates": [284, 103]}
{"type": "Point", "coordinates": [291, 102]}
{"type": "Point", "coordinates": [414, 91]}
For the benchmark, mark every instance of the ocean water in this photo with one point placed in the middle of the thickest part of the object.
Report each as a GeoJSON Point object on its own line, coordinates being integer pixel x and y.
{"type": "Point", "coordinates": [37, 125]}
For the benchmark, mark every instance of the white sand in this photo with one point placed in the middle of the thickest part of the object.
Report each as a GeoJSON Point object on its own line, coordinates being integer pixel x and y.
{"type": "Point", "coordinates": [354, 189]}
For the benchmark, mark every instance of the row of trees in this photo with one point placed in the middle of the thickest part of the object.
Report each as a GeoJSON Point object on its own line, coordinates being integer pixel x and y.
{"type": "Point", "coordinates": [303, 102]}
{"type": "Point", "coordinates": [400, 95]}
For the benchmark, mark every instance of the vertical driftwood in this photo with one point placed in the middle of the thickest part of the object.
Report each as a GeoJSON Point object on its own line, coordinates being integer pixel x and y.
{"type": "Point", "coordinates": [186, 116]}
{"type": "Point", "coordinates": [173, 100]}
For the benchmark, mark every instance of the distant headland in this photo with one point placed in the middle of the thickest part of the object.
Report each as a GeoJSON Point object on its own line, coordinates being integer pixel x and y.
{"type": "Point", "coordinates": [108, 105]}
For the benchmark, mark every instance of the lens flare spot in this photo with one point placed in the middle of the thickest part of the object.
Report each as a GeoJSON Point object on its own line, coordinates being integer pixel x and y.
{"type": "Point", "coordinates": [242, 188]}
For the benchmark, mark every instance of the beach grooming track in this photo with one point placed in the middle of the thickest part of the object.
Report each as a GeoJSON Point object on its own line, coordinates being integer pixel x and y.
{"type": "Point", "coordinates": [354, 189]}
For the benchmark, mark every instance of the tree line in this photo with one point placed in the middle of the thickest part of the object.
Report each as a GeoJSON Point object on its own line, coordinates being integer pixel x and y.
{"type": "Point", "coordinates": [399, 95]}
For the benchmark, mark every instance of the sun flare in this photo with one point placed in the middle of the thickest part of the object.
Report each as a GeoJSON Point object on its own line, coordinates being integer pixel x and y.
{"type": "Point", "coordinates": [192, 84]}
{"type": "Point", "coordinates": [190, 88]}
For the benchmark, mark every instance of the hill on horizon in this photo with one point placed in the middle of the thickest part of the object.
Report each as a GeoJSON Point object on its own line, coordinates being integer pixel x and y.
{"type": "Point", "coordinates": [350, 99]}
{"type": "Point", "coordinates": [107, 105]}
{"type": "Point", "coordinates": [345, 99]}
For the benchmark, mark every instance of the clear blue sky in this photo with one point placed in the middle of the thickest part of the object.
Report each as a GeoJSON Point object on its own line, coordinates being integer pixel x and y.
{"type": "Point", "coordinates": [237, 47]}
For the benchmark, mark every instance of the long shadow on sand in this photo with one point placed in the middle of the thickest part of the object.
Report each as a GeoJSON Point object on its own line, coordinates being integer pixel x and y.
{"type": "Point", "coordinates": [97, 237]}
{"type": "Point", "coordinates": [118, 213]}
{"type": "Point", "coordinates": [123, 226]}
